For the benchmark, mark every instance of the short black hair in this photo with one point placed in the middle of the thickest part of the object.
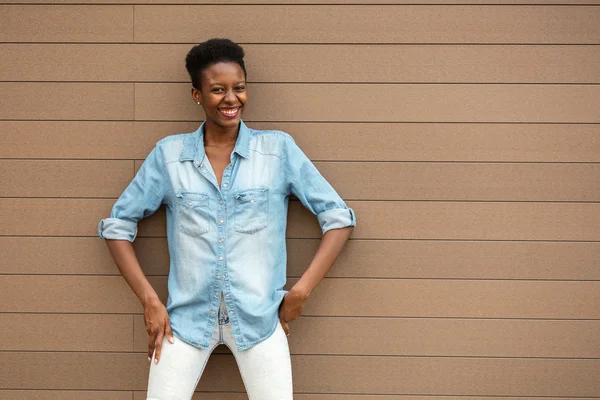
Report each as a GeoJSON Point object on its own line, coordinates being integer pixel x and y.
{"type": "Point", "coordinates": [208, 53]}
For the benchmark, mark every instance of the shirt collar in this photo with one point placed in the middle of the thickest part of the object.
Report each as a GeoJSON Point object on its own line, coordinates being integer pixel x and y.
{"type": "Point", "coordinates": [193, 148]}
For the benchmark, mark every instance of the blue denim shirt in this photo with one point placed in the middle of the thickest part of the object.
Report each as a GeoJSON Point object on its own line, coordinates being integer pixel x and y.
{"type": "Point", "coordinates": [230, 240]}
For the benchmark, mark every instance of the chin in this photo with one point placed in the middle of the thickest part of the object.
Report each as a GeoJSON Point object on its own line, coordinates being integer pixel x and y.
{"type": "Point", "coordinates": [230, 123]}
{"type": "Point", "coordinates": [227, 122]}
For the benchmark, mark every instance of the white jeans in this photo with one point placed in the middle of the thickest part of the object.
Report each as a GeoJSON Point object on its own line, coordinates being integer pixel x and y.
{"type": "Point", "coordinates": [265, 368]}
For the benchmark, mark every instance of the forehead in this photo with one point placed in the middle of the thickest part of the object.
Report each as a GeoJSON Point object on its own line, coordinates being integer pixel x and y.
{"type": "Point", "coordinates": [223, 72]}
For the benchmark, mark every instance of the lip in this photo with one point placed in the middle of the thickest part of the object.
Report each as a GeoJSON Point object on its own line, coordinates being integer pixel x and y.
{"type": "Point", "coordinates": [231, 116]}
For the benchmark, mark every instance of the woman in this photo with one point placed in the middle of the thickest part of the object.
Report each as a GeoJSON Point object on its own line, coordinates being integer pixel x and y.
{"type": "Point", "coordinates": [226, 190]}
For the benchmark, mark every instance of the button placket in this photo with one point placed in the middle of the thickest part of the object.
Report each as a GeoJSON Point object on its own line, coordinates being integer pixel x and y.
{"type": "Point", "coordinates": [222, 228]}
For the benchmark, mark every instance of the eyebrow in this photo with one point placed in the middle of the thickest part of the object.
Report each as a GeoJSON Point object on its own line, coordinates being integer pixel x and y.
{"type": "Point", "coordinates": [219, 83]}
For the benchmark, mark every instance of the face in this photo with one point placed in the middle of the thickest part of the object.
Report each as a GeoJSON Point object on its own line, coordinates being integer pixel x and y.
{"type": "Point", "coordinates": [222, 94]}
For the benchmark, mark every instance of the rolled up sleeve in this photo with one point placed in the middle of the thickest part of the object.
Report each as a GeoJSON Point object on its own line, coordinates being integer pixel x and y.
{"type": "Point", "coordinates": [314, 192]}
{"type": "Point", "coordinates": [142, 197]}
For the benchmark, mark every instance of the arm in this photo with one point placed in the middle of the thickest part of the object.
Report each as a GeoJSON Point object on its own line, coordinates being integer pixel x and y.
{"type": "Point", "coordinates": [155, 314]}
{"type": "Point", "coordinates": [335, 218]}
{"type": "Point", "coordinates": [331, 245]}
{"type": "Point", "coordinates": [142, 197]}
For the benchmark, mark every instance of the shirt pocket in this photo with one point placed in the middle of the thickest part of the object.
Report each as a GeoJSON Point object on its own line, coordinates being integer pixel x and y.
{"type": "Point", "coordinates": [193, 213]}
{"type": "Point", "coordinates": [251, 210]}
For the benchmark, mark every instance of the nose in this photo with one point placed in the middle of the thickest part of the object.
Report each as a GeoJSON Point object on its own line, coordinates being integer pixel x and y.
{"type": "Point", "coordinates": [230, 96]}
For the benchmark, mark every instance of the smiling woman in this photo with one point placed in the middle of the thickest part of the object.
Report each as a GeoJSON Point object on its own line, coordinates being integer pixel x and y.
{"type": "Point", "coordinates": [218, 68]}
{"type": "Point", "coordinates": [226, 189]}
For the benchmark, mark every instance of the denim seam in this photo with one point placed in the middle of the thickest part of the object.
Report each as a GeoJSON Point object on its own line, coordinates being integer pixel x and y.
{"type": "Point", "coordinates": [241, 373]}
{"type": "Point", "coordinates": [202, 370]}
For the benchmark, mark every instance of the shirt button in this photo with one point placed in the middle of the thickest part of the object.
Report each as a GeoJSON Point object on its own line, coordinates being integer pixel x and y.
{"type": "Point", "coordinates": [212, 312]}
{"type": "Point", "coordinates": [221, 221]}
{"type": "Point", "coordinates": [227, 295]}
{"type": "Point", "coordinates": [225, 185]}
{"type": "Point", "coordinates": [252, 201]}
{"type": "Point", "coordinates": [221, 240]}
{"type": "Point", "coordinates": [204, 171]}
{"type": "Point", "coordinates": [218, 276]}
{"type": "Point", "coordinates": [221, 202]}
{"type": "Point", "coordinates": [217, 294]}
{"type": "Point", "coordinates": [197, 162]}
{"type": "Point", "coordinates": [220, 258]}
{"type": "Point", "coordinates": [230, 312]}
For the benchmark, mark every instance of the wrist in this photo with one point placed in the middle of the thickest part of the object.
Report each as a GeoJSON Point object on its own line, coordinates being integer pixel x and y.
{"type": "Point", "coordinates": [148, 298]}
{"type": "Point", "coordinates": [300, 290]}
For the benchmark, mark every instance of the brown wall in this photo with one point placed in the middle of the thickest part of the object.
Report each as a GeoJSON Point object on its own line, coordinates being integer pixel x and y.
{"type": "Point", "coordinates": [466, 137]}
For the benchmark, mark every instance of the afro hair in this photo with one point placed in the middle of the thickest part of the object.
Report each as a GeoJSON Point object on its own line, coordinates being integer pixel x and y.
{"type": "Point", "coordinates": [211, 52]}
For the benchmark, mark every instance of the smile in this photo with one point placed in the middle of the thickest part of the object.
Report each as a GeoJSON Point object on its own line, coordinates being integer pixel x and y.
{"type": "Point", "coordinates": [230, 112]}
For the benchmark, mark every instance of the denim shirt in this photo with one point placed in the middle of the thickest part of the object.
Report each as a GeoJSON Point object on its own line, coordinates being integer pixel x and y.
{"type": "Point", "coordinates": [230, 240]}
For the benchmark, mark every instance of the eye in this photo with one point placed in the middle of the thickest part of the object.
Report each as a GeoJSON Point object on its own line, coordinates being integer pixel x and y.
{"type": "Point", "coordinates": [217, 90]}
{"type": "Point", "coordinates": [240, 88]}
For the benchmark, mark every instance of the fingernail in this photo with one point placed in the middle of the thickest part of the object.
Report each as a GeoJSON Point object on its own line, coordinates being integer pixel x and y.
{"type": "Point", "coordinates": [156, 361]}
{"type": "Point", "coordinates": [149, 359]}
{"type": "Point", "coordinates": [171, 339]}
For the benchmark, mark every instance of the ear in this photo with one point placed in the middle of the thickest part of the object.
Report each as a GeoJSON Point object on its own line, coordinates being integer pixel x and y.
{"type": "Point", "coordinates": [196, 96]}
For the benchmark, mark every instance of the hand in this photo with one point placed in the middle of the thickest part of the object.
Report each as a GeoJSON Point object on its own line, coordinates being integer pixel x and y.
{"type": "Point", "coordinates": [291, 308]}
{"type": "Point", "coordinates": [157, 325]}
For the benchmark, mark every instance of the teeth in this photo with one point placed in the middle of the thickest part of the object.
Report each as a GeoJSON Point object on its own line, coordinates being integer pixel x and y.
{"type": "Point", "coordinates": [230, 112]}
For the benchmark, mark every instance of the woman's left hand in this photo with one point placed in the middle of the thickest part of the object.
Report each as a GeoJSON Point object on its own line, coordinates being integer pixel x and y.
{"type": "Point", "coordinates": [290, 310]}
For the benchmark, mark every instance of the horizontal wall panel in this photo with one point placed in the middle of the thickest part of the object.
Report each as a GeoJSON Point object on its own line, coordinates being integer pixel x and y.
{"type": "Point", "coordinates": [84, 139]}
{"type": "Point", "coordinates": [355, 24]}
{"type": "Point", "coordinates": [380, 220]}
{"type": "Point", "coordinates": [323, 374]}
{"type": "Point", "coordinates": [60, 23]}
{"type": "Point", "coordinates": [55, 101]}
{"type": "Point", "coordinates": [385, 103]}
{"type": "Point", "coordinates": [309, 2]}
{"type": "Point", "coordinates": [76, 255]}
{"type": "Point", "coordinates": [304, 396]}
{"type": "Point", "coordinates": [303, 63]}
{"type": "Point", "coordinates": [60, 332]}
{"type": "Point", "coordinates": [455, 181]}
{"type": "Point", "coordinates": [85, 294]}
{"type": "Point", "coordinates": [458, 220]}
{"type": "Point", "coordinates": [320, 141]}
{"type": "Point", "coordinates": [446, 376]}
{"type": "Point", "coordinates": [450, 259]}
{"type": "Point", "coordinates": [441, 298]}
{"type": "Point", "coordinates": [444, 337]}
{"type": "Point", "coordinates": [434, 337]}
{"type": "Point", "coordinates": [360, 258]}
{"type": "Point", "coordinates": [62, 395]}
{"type": "Point", "coordinates": [37, 178]}
{"type": "Point", "coordinates": [370, 297]}
{"type": "Point", "coordinates": [61, 255]}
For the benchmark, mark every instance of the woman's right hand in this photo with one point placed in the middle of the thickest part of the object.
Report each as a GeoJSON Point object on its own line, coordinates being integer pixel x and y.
{"type": "Point", "coordinates": [157, 325]}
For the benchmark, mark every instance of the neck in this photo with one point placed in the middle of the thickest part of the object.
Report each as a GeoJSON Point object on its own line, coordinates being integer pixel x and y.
{"type": "Point", "coordinates": [219, 135]}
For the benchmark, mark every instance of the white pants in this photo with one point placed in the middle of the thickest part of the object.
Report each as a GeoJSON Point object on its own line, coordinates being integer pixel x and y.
{"type": "Point", "coordinates": [265, 368]}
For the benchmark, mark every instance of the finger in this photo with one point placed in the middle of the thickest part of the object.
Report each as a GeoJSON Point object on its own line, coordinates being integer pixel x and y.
{"type": "Point", "coordinates": [286, 328]}
{"type": "Point", "coordinates": [168, 331]}
{"type": "Point", "coordinates": [158, 345]}
{"type": "Point", "coordinates": [151, 340]}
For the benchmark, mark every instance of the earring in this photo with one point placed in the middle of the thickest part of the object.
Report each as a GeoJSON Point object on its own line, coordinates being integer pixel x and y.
{"type": "Point", "coordinates": [197, 102]}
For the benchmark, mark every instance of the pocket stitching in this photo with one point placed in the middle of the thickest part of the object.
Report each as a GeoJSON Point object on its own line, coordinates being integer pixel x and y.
{"type": "Point", "coordinates": [260, 208]}
{"type": "Point", "coordinates": [188, 202]}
